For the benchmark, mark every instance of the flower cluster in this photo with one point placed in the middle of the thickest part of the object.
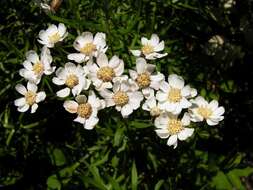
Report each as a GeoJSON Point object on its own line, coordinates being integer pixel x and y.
{"type": "Point", "coordinates": [93, 82]}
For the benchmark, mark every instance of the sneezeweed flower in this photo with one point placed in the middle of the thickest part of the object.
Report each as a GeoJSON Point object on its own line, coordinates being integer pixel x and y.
{"type": "Point", "coordinates": [103, 71]}
{"type": "Point", "coordinates": [152, 107]}
{"type": "Point", "coordinates": [35, 66]}
{"type": "Point", "coordinates": [88, 46]}
{"type": "Point", "coordinates": [169, 126]}
{"type": "Point", "coordinates": [122, 97]}
{"type": "Point", "coordinates": [173, 95]}
{"type": "Point", "coordinates": [31, 97]}
{"type": "Point", "coordinates": [203, 110]}
{"type": "Point", "coordinates": [52, 35]}
{"type": "Point", "coordinates": [145, 77]}
{"type": "Point", "coordinates": [150, 48]}
{"type": "Point", "coordinates": [86, 109]}
{"type": "Point", "coordinates": [73, 77]}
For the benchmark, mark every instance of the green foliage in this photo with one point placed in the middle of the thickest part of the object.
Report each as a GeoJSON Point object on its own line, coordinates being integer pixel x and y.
{"type": "Point", "coordinates": [47, 150]}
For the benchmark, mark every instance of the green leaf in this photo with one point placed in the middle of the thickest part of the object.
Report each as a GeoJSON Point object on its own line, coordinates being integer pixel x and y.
{"type": "Point", "coordinates": [134, 177]}
{"type": "Point", "coordinates": [53, 183]}
{"type": "Point", "coordinates": [59, 158]}
{"type": "Point", "coordinates": [159, 184]}
{"type": "Point", "coordinates": [220, 181]}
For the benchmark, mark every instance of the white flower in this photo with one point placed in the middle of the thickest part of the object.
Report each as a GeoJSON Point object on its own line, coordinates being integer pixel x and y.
{"type": "Point", "coordinates": [152, 106]}
{"type": "Point", "coordinates": [103, 72]}
{"type": "Point", "coordinates": [145, 78]}
{"type": "Point", "coordinates": [35, 67]}
{"type": "Point", "coordinates": [31, 97]}
{"type": "Point", "coordinates": [202, 110]}
{"type": "Point", "coordinates": [229, 4]}
{"type": "Point", "coordinates": [52, 35]}
{"type": "Point", "coordinates": [173, 96]}
{"type": "Point", "coordinates": [169, 126]}
{"type": "Point", "coordinates": [88, 46]}
{"type": "Point", "coordinates": [86, 110]}
{"type": "Point", "coordinates": [74, 77]}
{"type": "Point", "coordinates": [150, 48]}
{"type": "Point", "coordinates": [122, 97]}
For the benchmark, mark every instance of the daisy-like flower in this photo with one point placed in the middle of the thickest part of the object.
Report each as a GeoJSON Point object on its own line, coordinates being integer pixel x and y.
{"type": "Point", "coordinates": [152, 107]}
{"type": "Point", "coordinates": [73, 77]}
{"type": "Point", "coordinates": [145, 78]}
{"type": "Point", "coordinates": [35, 66]}
{"type": "Point", "coordinates": [173, 95]}
{"type": "Point", "coordinates": [202, 110]}
{"type": "Point", "coordinates": [150, 48]}
{"type": "Point", "coordinates": [122, 97]}
{"type": "Point", "coordinates": [52, 35]}
{"type": "Point", "coordinates": [88, 46]}
{"type": "Point", "coordinates": [169, 126]}
{"type": "Point", "coordinates": [31, 97]}
{"type": "Point", "coordinates": [103, 72]}
{"type": "Point", "coordinates": [86, 109]}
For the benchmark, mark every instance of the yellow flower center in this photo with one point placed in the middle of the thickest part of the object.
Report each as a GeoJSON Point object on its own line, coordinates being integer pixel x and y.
{"type": "Point", "coordinates": [84, 110]}
{"type": "Point", "coordinates": [38, 68]}
{"type": "Point", "coordinates": [174, 95]}
{"type": "Point", "coordinates": [88, 49]}
{"type": "Point", "coordinates": [55, 37]}
{"type": "Point", "coordinates": [205, 112]}
{"type": "Point", "coordinates": [143, 80]}
{"type": "Point", "coordinates": [120, 98]}
{"type": "Point", "coordinates": [147, 49]}
{"type": "Point", "coordinates": [175, 126]}
{"type": "Point", "coordinates": [71, 81]}
{"type": "Point", "coordinates": [155, 111]}
{"type": "Point", "coordinates": [105, 74]}
{"type": "Point", "coordinates": [30, 97]}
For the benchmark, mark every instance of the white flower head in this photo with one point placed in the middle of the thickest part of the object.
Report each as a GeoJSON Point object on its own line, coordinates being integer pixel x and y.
{"type": "Point", "coordinates": [31, 97]}
{"type": "Point", "coordinates": [152, 106]}
{"type": "Point", "coordinates": [35, 66]}
{"type": "Point", "coordinates": [145, 77]}
{"type": "Point", "coordinates": [210, 111]}
{"type": "Point", "coordinates": [150, 48]}
{"type": "Point", "coordinates": [73, 77]}
{"type": "Point", "coordinates": [86, 109]}
{"type": "Point", "coordinates": [122, 97]}
{"type": "Point", "coordinates": [103, 71]}
{"type": "Point", "coordinates": [169, 126]}
{"type": "Point", "coordinates": [173, 95]}
{"type": "Point", "coordinates": [88, 46]}
{"type": "Point", "coordinates": [52, 35]}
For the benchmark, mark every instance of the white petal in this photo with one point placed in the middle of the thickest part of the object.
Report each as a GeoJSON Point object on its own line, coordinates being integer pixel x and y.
{"type": "Point", "coordinates": [32, 87]}
{"type": "Point", "coordinates": [21, 89]}
{"type": "Point", "coordinates": [80, 120]}
{"type": "Point", "coordinates": [40, 97]}
{"type": "Point", "coordinates": [141, 65]}
{"type": "Point", "coordinates": [20, 102]}
{"type": "Point", "coordinates": [23, 108]}
{"type": "Point", "coordinates": [144, 41]}
{"type": "Point", "coordinates": [58, 81]}
{"type": "Point", "coordinates": [160, 96]}
{"type": "Point", "coordinates": [164, 86]}
{"type": "Point", "coordinates": [90, 123]}
{"type": "Point", "coordinates": [120, 69]}
{"type": "Point", "coordinates": [34, 108]}
{"type": "Point", "coordinates": [114, 61]}
{"type": "Point", "coordinates": [213, 104]}
{"type": "Point", "coordinates": [162, 133]}
{"type": "Point", "coordinates": [136, 53]}
{"type": "Point", "coordinates": [27, 65]}
{"type": "Point", "coordinates": [184, 134]}
{"type": "Point", "coordinates": [77, 57]}
{"type": "Point", "coordinates": [102, 60]}
{"type": "Point", "coordinates": [176, 81]}
{"type": "Point", "coordinates": [133, 74]}
{"type": "Point", "coordinates": [211, 122]}
{"type": "Point", "coordinates": [172, 140]}
{"type": "Point", "coordinates": [154, 40]}
{"type": "Point", "coordinates": [186, 91]}
{"type": "Point", "coordinates": [126, 110]}
{"type": "Point", "coordinates": [219, 111]}
{"type": "Point", "coordinates": [70, 67]}
{"type": "Point", "coordinates": [32, 56]}
{"type": "Point", "coordinates": [63, 93]}
{"type": "Point", "coordinates": [159, 47]}
{"type": "Point", "coordinates": [186, 119]}
{"type": "Point", "coordinates": [184, 103]}
{"type": "Point", "coordinates": [70, 106]}
{"type": "Point", "coordinates": [62, 29]}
